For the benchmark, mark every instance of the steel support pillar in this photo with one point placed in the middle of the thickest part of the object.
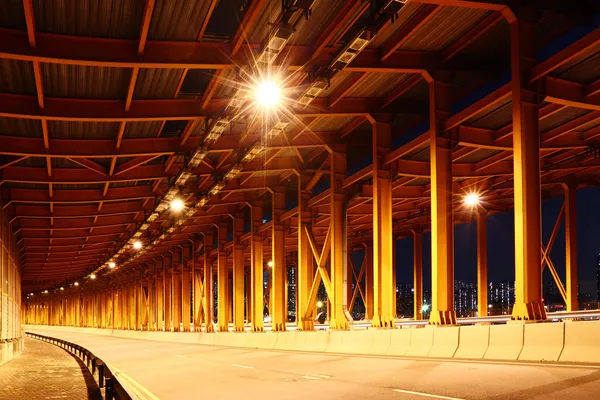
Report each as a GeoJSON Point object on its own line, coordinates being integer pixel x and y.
{"type": "Point", "coordinates": [208, 298]}
{"type": "Point", "coordinates": [151, 305]}
{"type": "Point", "coordinates": [383, 238]}
{"type": "Point", "coordinates": [222, 280]}
{"type": "Point", "coordinates": [337, 260]}
{"type": "Point", "coordinates": [417, 275]}
{"type": "Point", "coordinates": [369, 284]}
{"type": "Point", "coordinates": [442, 226]}
{"type": "Point", "coordinates": [160, 316]}
{"type": "Point", "coordinates": [306, 272]}
{"type": "Point", "coordinates": [238, 274]}
{"type": "Point", "coordinates": [256, 270]}
{"type": "Point", "coordinates": [176, 276]}
{"type": "Point", "coordinates": [167, 294]}
{"type": "Point", "coordinates": [482, 267]}
{"type": "Point", "coordinates": [571, 247]}
{"type": "Point", "coordinates": [186, 271]}
{"type": "Point", "coordinates": [278, 271]}
{"type": "Point", "coordinates": [527, 190]}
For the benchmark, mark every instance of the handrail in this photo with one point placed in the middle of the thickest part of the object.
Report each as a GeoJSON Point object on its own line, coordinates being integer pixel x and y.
{"type": "Point", "coordinates": [106, 378]}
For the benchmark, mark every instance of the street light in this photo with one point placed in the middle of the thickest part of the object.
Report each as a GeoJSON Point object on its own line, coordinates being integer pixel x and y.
{"type": "Point", "coordinates": [177, 204]}
{"type": "Point", "coordinates": [76, 284]}
{"type": "Point", "coordinates": [270, 264]}
{"type": "Point", "coordinates": [319, 304]}
{"type": "Point", "coordinates": [425, 307]}
{"type": "Point", "coordinates": [267, 94]}
{"type": "Point", "coordinates": [111, 265]}
{"type": "Point", "coordinates": [93, 276]}
{"type": "Point", "coordinates": [472, 199]}
{"type": "Point", "coordinates": [137, 245]}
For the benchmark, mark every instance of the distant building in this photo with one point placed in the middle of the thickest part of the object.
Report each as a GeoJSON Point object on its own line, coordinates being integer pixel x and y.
{"type": "Point", "coordinates": [501, 296]}
{"type": "Point", "coordinates": [465, 298]}
{"type": "Point", "coordinates": [291, 292]}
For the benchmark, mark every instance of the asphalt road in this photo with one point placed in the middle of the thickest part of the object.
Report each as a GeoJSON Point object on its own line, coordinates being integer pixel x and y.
{"type": "Point", "coordinates": [176, 371]}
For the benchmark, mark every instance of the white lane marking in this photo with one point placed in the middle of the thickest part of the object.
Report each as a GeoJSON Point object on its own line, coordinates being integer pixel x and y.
{"type": "Point", "coordinates": [325, 376]}
{"type": "Point", "coordinates": [310, 377]}
{"type": "Point", "coordinates": [425, 394]}
{"type": "Point", "coordinates": [242, 366]}
{"type": "Point", "coordinates": [179, 355]}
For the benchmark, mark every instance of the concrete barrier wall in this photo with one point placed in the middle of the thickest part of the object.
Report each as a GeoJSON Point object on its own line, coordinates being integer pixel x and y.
{"type": "Point", "coordinates": [582, 342]}
{"type": "Point", "coordinates": [473, 342]}
{"type": "Point", "coordinates": [575, 341]}
{"type": "Point", "coordinates": [506, 342]}
{"type": "Point", "coordinates": [542, 342]}
{"type": "Point", "coordinates": [10, 349]}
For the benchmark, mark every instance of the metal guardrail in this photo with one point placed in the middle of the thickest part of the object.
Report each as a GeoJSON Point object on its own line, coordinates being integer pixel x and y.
{"type": "Point", "coordinates": [107, 380]}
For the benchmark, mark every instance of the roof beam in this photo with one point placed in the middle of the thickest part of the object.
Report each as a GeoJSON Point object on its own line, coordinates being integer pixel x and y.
{"type": "Point", "coordinates": [131, 164]}
{"type": "Point", "coordinates": [252, 13]}
{"type": "Point", "coordinates": [18, 195]}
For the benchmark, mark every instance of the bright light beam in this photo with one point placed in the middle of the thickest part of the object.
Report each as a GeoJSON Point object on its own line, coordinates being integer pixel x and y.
{"type": "Point", "coordinates": [267, 94]}
{"type": "Point", "coordinates": [471, 199]}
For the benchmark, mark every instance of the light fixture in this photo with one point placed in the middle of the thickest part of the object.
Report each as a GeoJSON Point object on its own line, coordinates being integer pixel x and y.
{"type": "Point", "coordinates": [31, 294]}
{"type": "Point", "coordinates": [46, 291]}
{"type": "Point", "coordinates": [319, 304]}
{"type": "Point", "coordinates": [471, 199]}
{"type": "Point", "coordinates": [137, 245]}
{"type": "Point", "coordinates": [93, 276]}
{"type": "Point", "coordinates": [177, 204]}
{"type": "Point", "coordinates": [76, 284]}
{"type": "Point", "coordinates": [270, 264]}
{"type": "Point", "coordinates": [425, 307]}
{"type": "Point", "coordinates": [62, 288]}
{"type": "Point", "coordinates": [112, 264]}
{"type": "Point", "coordinates": [267, 94]}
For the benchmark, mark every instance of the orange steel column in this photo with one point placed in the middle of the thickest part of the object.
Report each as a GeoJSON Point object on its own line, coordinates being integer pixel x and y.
{"type": "Point", "coordinates": [222, 280]}
{"type": "Point", "coordinates": [159, 296]}
{"type": "Point", "coordinates": [186, 271]}
{"type": "Point", "coordinates": [417, 274]}
{"type": "Point", "coordinates": [238, 274]}
{"type": "Point", "coordinates": [305, 273]}
{"type": "Point", "coordinates": [176, 309]}
{"type": "Point", "coordinates": [369, 285]}
{"type": "Point", "coordinates": [208, 284]}
{"type": "Point", "coordinates": [384, 292]}
{"type": "Point", "coordinates": [526, 158]}
{"type": "Point", "coordinates": [338, 258]}
{"type": "Point", "coordinates": [442, 228]}
{"type": "Point", "coordinates": [277, 299]}
{"type": "Point", "coordinates": [151, 305]}
{"type": "Point", "coordinates": [167, 294]}
{"type": "Point", "coordinates": [256, 269]}
{"type": "Point", "coordinates": [482, 267]}
{"type": "Point", "coordinates": [571, 246]}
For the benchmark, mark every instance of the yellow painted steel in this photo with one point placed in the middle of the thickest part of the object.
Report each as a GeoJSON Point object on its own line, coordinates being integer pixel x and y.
{"type": "Point", "coordinates": [222, 280]}
{"type": "Point", "coordinates": [337, 319]}
{"type": "Point", "coordinates": [238, 275]}
{"type": "Point", "coordinates": [305, 320]}
{"type": "Point", "coordinates": [278, 270]}
{"type": "Point", "coordinates": [208, 305]}
{"type": "Point", "coordinates": [482, 267]}
{"type": "Point", "coordinates": [384, 292]}
{"type": "Point", "coordinates": [185, 295]}
{"type": "Point", "coordinates": [369, 285]}
{"type": "Point", "coordinates": [442, 225]}
{"type": "Point", "coordinates": [256, 273]}
{"type": "Point", "coordinates": [571, 247]}
{"type": "Point", "coordinates": [167, 296]}
{"type": "Point", "coordinates": [418, 274]}
{"type": "Point", "coordinates": [527, 190]}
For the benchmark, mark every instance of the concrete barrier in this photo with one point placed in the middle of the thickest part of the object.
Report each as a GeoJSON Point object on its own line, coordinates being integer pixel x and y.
{"type": "Point", "coordinates": [11, 349]}
{"type": "Point", "coordinates": [285, 341]}
{"type": "Point", "coordinates": [445, 342]}
{"type": "Point", "coordinates": [421, 340]}
{"type": "Point", "coordinates": [316, 341]}
{"type": "Point", "coordinates": [506, 342]}
{"type": "Point", "coordinates": [399, 342]}
{"type": "Point", "coordinates": [338, 342]}
{"type": "Point", "coordinates": [543, 341]}
{"type": "Point", "coordinates": [473, 342]}
{"type": "Point", "coordinates": [381, 341]}
{"type": "Point", "coordinates": [582, 342]}
{"type": "Point", "coordinates": [359, 342]}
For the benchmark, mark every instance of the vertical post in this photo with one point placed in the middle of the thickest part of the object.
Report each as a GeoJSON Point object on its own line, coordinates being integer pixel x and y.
{"type": "Point", "coordinates": [337, 260]}
{"type": "Point", "coordinates": [527, 189]}
{"type": "Point", "coordinates": [238, 274]}
{"type": "Point", "coordinates": [369, 284]}
{"type": "Point", "coordinates": [277, 299]}
{"type": "Point", "coordinates": [394, 280]}
{"type": "Point", "coordinates": [482, 267]}
{"type": "Point", "coordinates": [222, 280]}
{"type": "Point", "coordinates": [571, 246]}
{"type": "Point", "coordinates": [185, 288]}
{"type": "Point", "coordinates": [159, 295]}
{"type": "Point", "coordinates": [418, 274]}
{"type": "Point", "coordinates": [176, 309]}
{"type": "Point", "coordinates": [304, 310]}
{"type": "Point", "coordinates": [383, 292]}
{"type": "Point", "coordinates": [208, 283]}
{"type": "Point", "coordinates": [256, 269]}
{"type": "Point", "coordinates": [167, 290]}
{"type": "Point", "coordinates": [442, 227]}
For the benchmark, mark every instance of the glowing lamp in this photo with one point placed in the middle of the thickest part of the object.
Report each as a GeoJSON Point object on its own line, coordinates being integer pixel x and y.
{"type": "Point", "coordinates": [267, 94]}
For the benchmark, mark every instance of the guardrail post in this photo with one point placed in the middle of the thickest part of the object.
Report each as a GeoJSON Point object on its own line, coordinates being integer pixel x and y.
{"type": "Point", "coordinates": [109, 392]}
{"type": "Point", "coordinates": [101, 374]}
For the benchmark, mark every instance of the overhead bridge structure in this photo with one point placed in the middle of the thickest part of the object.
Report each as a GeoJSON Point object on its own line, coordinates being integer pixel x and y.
{"type": "Point", "coordinates": [164, 165]}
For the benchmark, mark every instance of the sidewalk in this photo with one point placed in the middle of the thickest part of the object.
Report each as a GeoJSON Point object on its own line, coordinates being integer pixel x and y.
{"type": "Point", "coordinates": [45, 371]}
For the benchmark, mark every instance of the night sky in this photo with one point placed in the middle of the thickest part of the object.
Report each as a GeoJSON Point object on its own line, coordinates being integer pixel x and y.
{"type": "Point", "coordinates": [501, 253]}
